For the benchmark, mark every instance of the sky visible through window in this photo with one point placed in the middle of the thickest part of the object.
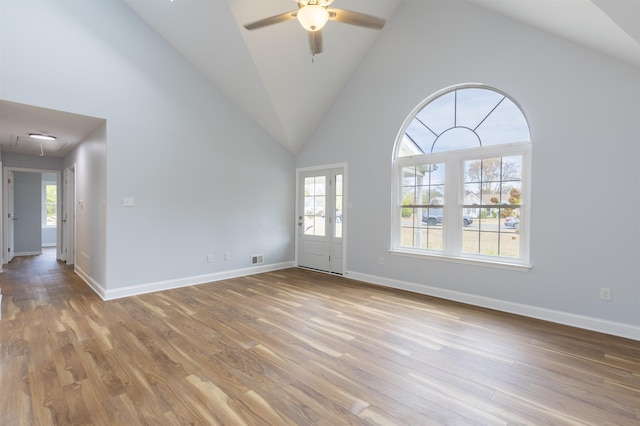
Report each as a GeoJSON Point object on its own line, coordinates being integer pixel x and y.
{"type": "Point", "coordinates": [464, 118]}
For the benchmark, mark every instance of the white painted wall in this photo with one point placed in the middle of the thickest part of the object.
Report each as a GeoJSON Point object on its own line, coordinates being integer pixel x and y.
{"type": "Point", "coordinates": [583, 109]}
{"type": "Point", "coordinates": [90, 206]}
{"type": "Point", "coordinates": [12, 159]}
{"type": "Point", "coordinates": [205, 178]}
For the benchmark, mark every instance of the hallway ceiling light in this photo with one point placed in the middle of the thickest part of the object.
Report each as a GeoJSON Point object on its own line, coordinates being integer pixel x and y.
{"type": "Point", "coordinates": [42, 136]}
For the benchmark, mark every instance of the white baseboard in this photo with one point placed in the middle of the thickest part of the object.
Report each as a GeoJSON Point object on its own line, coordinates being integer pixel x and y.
{"type": "Point", "coordinates": [27, 253]}
{"type": "Point", "coordinates": [184, 282]}
{"type": "Point", "coordinates": [95, 286]}
{"type": "Point", "coordinates": [628, 331]}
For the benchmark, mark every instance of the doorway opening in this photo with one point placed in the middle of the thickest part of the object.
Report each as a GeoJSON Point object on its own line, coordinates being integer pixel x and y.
{"type": "Point", "coordinates": [32, 206]}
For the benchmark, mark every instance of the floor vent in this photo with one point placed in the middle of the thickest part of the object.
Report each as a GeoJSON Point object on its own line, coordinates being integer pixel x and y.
{"type": "Point", "coordinates": [257, 259]}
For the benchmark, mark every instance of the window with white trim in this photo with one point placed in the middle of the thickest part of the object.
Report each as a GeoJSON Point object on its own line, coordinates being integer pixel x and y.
{"type": "Point", "coordinates": [49, 204]}
{"type": "Point", "coordinates": [462, 172]}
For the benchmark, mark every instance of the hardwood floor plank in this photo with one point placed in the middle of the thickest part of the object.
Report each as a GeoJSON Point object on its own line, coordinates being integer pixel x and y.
{"type": "Point", "coordinates": [15, 398]}
{"type": "Point", "coordinates": [294, 347]}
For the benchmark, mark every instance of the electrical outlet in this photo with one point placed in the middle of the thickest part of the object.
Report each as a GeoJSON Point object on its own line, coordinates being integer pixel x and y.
{"type": "Point", "coordinates": [209, 258]}
{"type": "Point", "coordinates": [605, 293]}
{"type": "Point", "coordinates": [227, 255]}
{"type": "Point", "coordinates": [381, 260]}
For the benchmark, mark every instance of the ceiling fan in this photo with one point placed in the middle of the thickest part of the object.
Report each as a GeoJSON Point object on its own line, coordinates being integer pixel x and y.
{"type": "Point", "coordinates": [314, 14]}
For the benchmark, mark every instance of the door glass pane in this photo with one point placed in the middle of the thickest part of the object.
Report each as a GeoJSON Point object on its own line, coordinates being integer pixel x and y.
{"type": "Point", "coordinates": [314, 205]}
{"type": "Point", "coordinates": [337, 229]}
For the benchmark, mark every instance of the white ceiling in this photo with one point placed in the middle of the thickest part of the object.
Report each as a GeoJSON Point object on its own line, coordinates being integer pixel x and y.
{"type": "Point", "coordinates": [269, 71]}
{"type": "Point", "coordinates": [270, 74]}
{"type": "Point", "coordinates": [18, 120]}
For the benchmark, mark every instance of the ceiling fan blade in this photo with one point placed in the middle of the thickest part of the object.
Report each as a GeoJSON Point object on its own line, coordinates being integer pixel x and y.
{"type": "Point", "coordinates": [356, 18]}
{"type": "Point", "coordinates": [276, 19]}
{"type": "Point", "coordinates": [315, 41]}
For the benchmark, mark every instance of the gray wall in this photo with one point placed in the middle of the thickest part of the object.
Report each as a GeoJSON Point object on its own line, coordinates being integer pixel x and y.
{"type": "Point", "coordinates": [27, 190]}
{"type": "Point", "coordinates": [206, 179]}
{"type": "Point", "coordinates": [14, 160]}
{"type": "Point", "coordinates": [583, 109]}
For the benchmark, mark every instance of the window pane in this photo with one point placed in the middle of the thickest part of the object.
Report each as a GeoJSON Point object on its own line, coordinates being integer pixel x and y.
{"type": "Point", "coordinates": [417, 233]}
{"type": "Point", "coordinates": [309, 188]}
{"type": "Point", "coordinates": [314, 205]}
{"type": "Point", "coordinates": [456, 138]}
{"type": "Point", "coordinates": [52, 216]}
{"type": "Point", "coordinates": [512, 192]}
{"type": "Point", "coordinates": [417, 140]}
{"type": "Point", "coordinates": [423, 185]}
{"type": "Point", "coordinates": [439, 114]}
{"type": "Point", "coordinates": [474, 105]}
{"type": "Point", "coordinates": [52, 193]}
{"type": "Point", "coordinates": [495, 234]}
{"type": "Point", "coordinates": [488, 200]}
{"type": "Point", "coordinates": [464, 118]}
{"type": "Point", "coordinates": [510, 220]}
{"type": "Point", "coordinates": [505, 124]}
{"type": "Point", "coordinates": [51, 204]}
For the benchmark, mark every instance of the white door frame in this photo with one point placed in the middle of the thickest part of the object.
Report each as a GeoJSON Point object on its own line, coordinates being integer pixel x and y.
{"type": "Point", "coordinates": [5, 201]}
{"type": "Point", "coordinates": [68, 253]}
{"type": "Point", "coordinates": [7, 215]}
{"type": "Point", "coordinates": [345, 205]}
{"type": "Point", "coordinates": [2, 230]}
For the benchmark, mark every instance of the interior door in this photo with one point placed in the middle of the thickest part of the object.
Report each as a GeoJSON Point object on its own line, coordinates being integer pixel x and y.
{"type": "Point", "coordinates": [69, 216]}
{"type": "Point", "coordinates": [9, 217]}
{"type": "Point", "coordinates": [321, 220]}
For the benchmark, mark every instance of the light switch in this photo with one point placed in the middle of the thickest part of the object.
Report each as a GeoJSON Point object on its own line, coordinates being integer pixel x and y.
{"type": "Point", "coordinates": [128, 202]}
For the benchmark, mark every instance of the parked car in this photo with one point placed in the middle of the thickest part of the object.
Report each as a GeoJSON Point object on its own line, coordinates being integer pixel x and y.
{"type": "Point", "coordinates": [434, 217]}
{"type": "Point", "coordinates": [512, 222]}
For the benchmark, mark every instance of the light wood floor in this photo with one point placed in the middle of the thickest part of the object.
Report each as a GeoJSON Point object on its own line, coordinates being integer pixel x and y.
{"type": "Point", "coordinates": [294, 348]}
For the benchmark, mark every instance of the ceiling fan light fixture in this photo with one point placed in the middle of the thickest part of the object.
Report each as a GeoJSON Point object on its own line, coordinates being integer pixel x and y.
{"type": "Point", "coordinates": [42, 136]}
{"type": "Point", "coordinates": [313, 17]}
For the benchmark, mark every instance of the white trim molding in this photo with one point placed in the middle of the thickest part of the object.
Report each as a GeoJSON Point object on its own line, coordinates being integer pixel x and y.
{"type": "Point", "coordinates": [139, 289]}
{"type": "Point", "coordinates": [93, 284]}
{"type": "Point", "coordinates": [28, 253]}
{"type": "Point", "coordinates": [628, 331]}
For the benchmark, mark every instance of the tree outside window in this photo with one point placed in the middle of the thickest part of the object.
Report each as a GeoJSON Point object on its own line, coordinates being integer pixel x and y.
{"type": "Point", "coordinates": [481, 137]}
{"type": "Point", "coordinates": [50, 214]}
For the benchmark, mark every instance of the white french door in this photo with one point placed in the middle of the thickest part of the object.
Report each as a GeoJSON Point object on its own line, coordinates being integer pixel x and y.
{"type": "Point", "coordinates": [320, 219]}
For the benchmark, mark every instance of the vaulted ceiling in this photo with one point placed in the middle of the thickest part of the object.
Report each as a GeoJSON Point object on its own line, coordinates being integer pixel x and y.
{"type": "Point", "coordinates": [271, 74]}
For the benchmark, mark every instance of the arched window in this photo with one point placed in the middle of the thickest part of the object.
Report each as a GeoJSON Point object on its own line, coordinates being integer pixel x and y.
{"type": "Point", "coordinates": [462, 167]}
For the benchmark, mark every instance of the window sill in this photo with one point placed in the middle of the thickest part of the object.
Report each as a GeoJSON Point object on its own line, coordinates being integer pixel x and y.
{"type": "Point", "coordinates": [464, 260]}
